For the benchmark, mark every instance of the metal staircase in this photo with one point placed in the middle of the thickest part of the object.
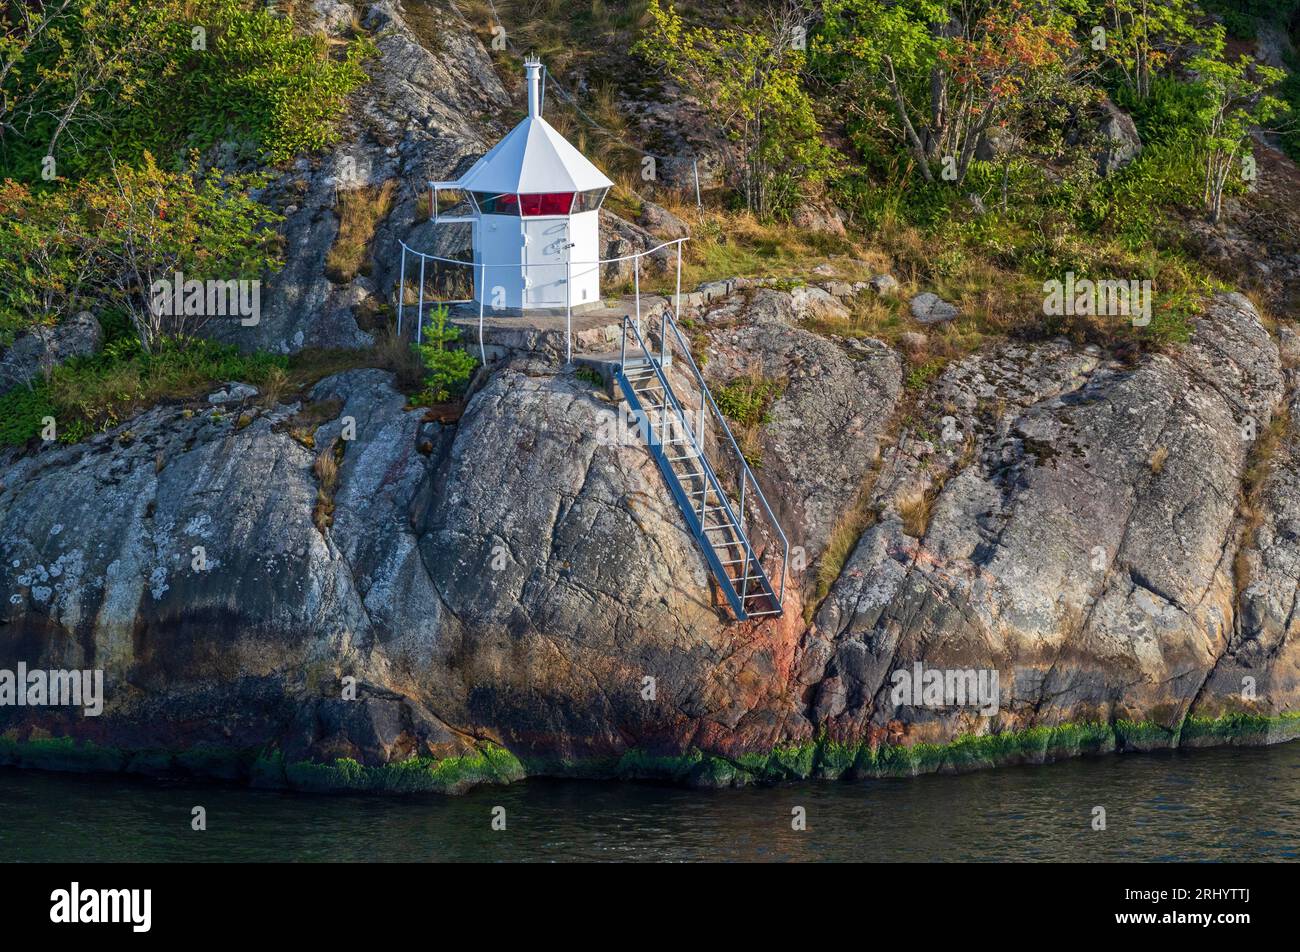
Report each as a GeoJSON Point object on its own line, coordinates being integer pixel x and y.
{"type": "Point", "coordinates": [716, 500]}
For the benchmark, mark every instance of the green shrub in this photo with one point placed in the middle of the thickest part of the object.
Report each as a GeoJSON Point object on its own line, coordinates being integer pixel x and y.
{"type": "Point", "coordinates": [1169, 114]}
{"type": "Point", "coordinates": [1133, 205]}
{"type": "Point", "coordinates": [1244, 17]}
{"type": "Point", "coordinates": [283, 90]}
{"type": "Point", "coordinates": [103, 242]}
{"type": "Point", "coordinates": [747, 400]}
{"type": "Point", "coordinates": [123, 77]}
{"type": "Point", "coordinates": [1289, 92]}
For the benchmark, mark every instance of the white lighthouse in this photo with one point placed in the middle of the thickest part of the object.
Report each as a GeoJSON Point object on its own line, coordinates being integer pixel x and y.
{"type": "Point", "coordinates": [536, 202]}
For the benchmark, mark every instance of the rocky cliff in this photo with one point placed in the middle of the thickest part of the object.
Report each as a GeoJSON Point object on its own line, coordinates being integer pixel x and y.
{"type": "Point", "coordinates": [338, 591]}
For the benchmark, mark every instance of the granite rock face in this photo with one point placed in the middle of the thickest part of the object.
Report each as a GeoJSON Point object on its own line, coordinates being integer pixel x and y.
{"type": "Point", "coordinates": [1074, 527]}
{"type": "Point", "coordinates": [493, 587]}
{"type": "Point", "coordinates": [1262, 647]}
{"type": "Point", "coordinates": [422, 117]}
{"type": "Point", "coordinates": [1120, 141]}
{"type": "Point", "coordinates": [823, 428]}
{"type": "Point", "coordinates": [36, 352]}
{"type": "Point", "coordinates": [522, 577]}
{"type": "Point", "coordinates": [929, 308]}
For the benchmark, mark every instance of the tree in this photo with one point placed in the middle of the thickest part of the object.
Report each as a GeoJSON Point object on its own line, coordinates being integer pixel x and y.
{"type": "Point", "coordinates": [89, 82]}
{"type": "Point", "coordinates": [25, 29]}
{"type": "Point", "coordinates": [749, 79]}
{"type": "Point", "coordinates": [948, 70]}
{"type": "Point", "coordinates": [447, 370]}
{"type": "Point", "coordinates": [1007, 61]}
{"type": "Point", "coordinates": [46, 260]}
{"type": "Point", "coordinates": [1236, 100]}
{"type": "Point", "coordinates": [66, 64]}
{"type": "Point", "coordinates": [154, 224]}
{"type": "Point", "coordinates": [1141, 37]}
{"type": "Point", "coordinates": [104, 242]}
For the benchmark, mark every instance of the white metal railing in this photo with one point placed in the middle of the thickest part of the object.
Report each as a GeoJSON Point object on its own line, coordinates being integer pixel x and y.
{"type": "Point", "coordinates": [480, 270]}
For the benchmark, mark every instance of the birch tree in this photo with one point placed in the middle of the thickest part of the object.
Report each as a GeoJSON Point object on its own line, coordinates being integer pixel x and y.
{"type": "Point", "coordinates": [1236, 100]}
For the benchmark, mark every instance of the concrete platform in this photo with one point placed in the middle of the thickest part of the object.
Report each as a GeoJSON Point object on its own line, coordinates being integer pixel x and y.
{"type": "Point", "coordinates": [597, 328]}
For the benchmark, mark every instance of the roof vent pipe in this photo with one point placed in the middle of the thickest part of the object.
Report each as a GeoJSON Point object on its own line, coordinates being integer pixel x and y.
{"type": "Point", "coordinates": [533, 73]}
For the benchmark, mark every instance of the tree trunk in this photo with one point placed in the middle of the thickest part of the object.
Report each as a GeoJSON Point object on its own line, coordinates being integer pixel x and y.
{"type": "Point", "coordinates": [918, 148]}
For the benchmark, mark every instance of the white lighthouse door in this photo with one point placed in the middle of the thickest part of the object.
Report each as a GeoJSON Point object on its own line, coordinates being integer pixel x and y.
{"type": "Point", "coordinates": [546, 260]}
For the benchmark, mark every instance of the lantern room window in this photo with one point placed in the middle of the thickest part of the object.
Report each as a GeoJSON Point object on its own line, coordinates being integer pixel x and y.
{"type": "Point", "coordinates": [589, 200]}
{"type": "Point", "coordinates": [547, 203]}
{"type": "Point", "coordinates": [493, 204]}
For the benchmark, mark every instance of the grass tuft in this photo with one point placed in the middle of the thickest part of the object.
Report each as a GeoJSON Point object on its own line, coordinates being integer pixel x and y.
{"type": "Point", "coordinates": [360, 210]}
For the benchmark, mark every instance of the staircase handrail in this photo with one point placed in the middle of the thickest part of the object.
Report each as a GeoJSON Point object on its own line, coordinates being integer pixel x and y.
{"type": "Point", "coordinates": [751, 557]}
{"type": "Point", "coordinates": [746, 472]}
{"type": "Point", "coordinates": [710, 474]}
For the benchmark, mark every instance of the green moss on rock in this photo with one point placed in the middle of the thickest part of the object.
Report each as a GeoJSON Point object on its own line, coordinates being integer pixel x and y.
{"type": "Point", "coordinates": [639, 764]}
{"type": "Point", "coordinates": [1245, 729]}
{"type": "Point", "coordinates": [65, 754]}
{"type": "Point", "coordinates": [1144, 735]}
{"type": "Point", "coordinates": [490, 764]}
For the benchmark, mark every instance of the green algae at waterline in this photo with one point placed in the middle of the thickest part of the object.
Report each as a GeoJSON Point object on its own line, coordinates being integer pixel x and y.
{"type": "Point", "coordinates": [267, 768]}
{"type": "Point", "coordinates": [820, 759]}
{"type": "Point", "coordinates": [829, 759]}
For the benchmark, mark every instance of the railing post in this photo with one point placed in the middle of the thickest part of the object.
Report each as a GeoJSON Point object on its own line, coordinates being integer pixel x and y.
{"type": "Point", "coordinates": [568, 299]}
{"type": "Point", "coordinates": [636, 283]}
{"type": "Point", "coordinates": [401, 289]}
{"type": "Point", "coordinates": [482, 351]}
{"type": "Point", "coordinates": [663, 407]}
{"type": "Point", "coordinates": [744, 578]}
{"type": "Point", "coordinates": [699, 434]}
{"type": "Point", "coordinates": [785, 565]}
{"type": "Point", "coordinates": [622, 356]}
{"type": "Point", "coordinates": [677, 298]}
{"type": "Point", "coordinates": [743, 483]}
{"type": "Point", "coordinates": [419, 320]}
{"type": "Point", "coordinates": [663, 338]}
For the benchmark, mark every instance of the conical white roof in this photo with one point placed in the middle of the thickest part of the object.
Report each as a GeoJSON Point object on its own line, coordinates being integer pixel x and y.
{"type": "Point", "coordinates": [533, 158]}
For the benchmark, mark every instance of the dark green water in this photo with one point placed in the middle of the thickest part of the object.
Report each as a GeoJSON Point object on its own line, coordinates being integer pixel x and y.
{"type": "Point", "coordinates": [1227, 804]}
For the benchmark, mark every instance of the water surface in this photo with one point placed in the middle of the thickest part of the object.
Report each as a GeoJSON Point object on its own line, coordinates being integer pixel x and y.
{"type": "Point", "coordinates": [1224, 804]}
